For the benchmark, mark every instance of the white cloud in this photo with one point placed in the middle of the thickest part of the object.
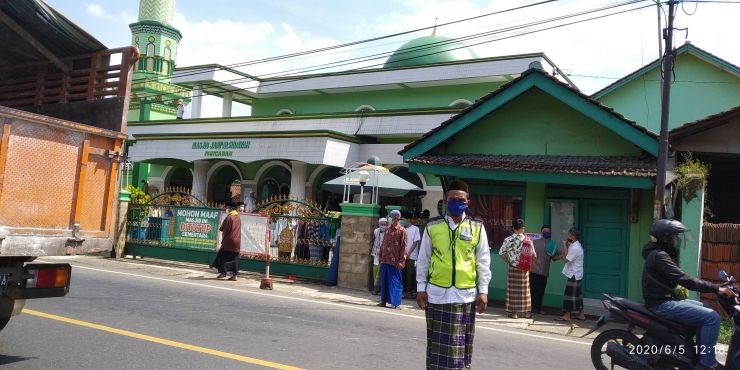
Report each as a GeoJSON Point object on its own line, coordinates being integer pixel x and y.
{"type": "Point", "coordinates": [97, 10]}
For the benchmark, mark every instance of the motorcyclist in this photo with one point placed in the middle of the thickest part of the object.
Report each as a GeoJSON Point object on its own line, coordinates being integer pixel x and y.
{"type": "Point", "coordinates": [660, 277]}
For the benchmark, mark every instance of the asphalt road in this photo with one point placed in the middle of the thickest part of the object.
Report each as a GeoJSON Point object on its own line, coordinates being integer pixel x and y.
{"type": "Point", "coordinates": [138, 321]}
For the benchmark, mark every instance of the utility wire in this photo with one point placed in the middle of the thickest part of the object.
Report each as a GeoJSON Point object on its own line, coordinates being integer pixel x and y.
{"type": "Point", "coordinates": [220, 83]}
{"type": "Point", "coordinates": [409, 50]}
{"type": "Point", "coordinates": [465, 46]}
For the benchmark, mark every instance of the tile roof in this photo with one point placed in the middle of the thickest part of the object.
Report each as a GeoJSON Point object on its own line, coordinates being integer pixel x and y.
{"type": "Point", "coordinates": [680, 50]}
{"type": "Point", "coordinates": [581, 165]}
{"type": "Point", "coordinates": [505, 86]}
{"type": "Point", "coordinates": [705, 123]}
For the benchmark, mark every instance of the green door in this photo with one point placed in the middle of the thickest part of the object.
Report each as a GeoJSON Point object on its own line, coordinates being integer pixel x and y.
{"type": "Point", "coordinates": [605, 238]}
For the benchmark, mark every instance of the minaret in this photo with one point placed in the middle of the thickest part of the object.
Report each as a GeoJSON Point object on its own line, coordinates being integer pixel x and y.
{"type": "Point", "coordinates": [153, 97]}
{"type": "Point", "coordinates": [156, 38]}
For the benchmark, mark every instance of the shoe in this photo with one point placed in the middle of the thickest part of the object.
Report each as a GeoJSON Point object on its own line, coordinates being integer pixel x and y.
{"type": "Point", "coordinates": [221, 276]}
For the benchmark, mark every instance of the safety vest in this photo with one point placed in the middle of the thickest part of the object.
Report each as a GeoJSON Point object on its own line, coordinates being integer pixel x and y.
{"type": "Point", "coordinates": [453, 253]}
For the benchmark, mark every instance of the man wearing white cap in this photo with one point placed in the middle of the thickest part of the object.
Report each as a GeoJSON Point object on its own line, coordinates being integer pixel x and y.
{"type": "Point", "coordinates": [378, 233]}
{"type": "Point", "coordinates": [392, 260]}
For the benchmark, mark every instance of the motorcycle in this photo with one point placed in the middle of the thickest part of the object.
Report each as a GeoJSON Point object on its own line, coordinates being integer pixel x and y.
{"type": "Point", "coordinates": [664, 345]}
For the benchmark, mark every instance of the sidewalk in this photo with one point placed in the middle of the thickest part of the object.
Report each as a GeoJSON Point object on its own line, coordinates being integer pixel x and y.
{"type": "Point", "coordinates": [495, 315]}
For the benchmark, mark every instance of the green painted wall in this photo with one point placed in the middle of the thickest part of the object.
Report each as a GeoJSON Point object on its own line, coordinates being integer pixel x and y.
{"type": "Point", "coordinates": [431, 179]}
{"type": "Point", "coordinates": [712, 91]}
{"type": "Point", "coordinates": [249, 170]}
{"type": "Point", "coordinates": [156, 170]}
{"type": "Point", "coordinates": [429, 97]}
{"type": "Point", "coordinates": [552, 128]}
{"type": "Point", "coordinates": [639, 234]}
{"type": "Point", "coordinates": [692, 215]}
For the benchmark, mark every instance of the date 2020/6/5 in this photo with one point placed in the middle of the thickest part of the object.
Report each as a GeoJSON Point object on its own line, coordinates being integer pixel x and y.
{"type": "Point", "coordinates": [680, 350]}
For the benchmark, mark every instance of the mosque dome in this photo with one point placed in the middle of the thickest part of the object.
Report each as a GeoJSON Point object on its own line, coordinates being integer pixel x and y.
{"type": "Point", "coordinates": [429, 50]}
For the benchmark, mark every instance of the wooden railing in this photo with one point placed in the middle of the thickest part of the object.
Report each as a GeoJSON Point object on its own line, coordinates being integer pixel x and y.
{"type": "Point", "coordinates": [90, 77]}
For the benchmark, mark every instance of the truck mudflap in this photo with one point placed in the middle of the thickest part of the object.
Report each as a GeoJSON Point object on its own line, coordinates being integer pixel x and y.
{"type": "Point", "coordinates": [45, 280]}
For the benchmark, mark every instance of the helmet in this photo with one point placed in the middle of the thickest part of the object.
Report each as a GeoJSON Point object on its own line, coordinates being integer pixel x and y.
{"type": "Point", "coordinates": [662, 232]}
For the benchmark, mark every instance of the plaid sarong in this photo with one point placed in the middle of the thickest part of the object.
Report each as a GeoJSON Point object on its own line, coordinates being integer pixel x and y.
{"type": "Point", "coordinates": [518, 298]}
{"type": "Point", "coordinates": [573, 297]}
{"type": "Point", "coordinates": [450, 331]}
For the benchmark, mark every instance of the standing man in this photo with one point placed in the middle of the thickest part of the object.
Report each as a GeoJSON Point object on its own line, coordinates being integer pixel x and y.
{"type": "Point", "coordinates": [412, 253]}
{"type": "Point", "coordinates": [573, 270]}
{"type": "Point", "coordinates": [145, 186]}
{"type": "Point", "coordinates": [180, 109]}
{"type": "Point", "coordinates": [378, 235]}
{"type": "Point", "coordinates": [541, 268]}
{"type": "Point", "coordinates": [392, 260]}
{"type": "Point", "coordinates": [227, 259]}
{"type": "Point", "coordinates": [457, 247]}
{"type": "Point", "coordinates": [250, 202]}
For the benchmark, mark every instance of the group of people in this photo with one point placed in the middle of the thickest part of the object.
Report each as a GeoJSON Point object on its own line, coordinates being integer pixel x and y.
{"type": "Point", "coordinates": [390, 248]}
{"type": "Point", "coordinates": [525, 285]}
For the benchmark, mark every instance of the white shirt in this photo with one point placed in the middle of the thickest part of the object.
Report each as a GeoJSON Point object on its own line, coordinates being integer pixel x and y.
{"type": "Point", "coordinates": [180, 110]}
{"type": "Point", "coordinates": [413, 236]}
{"type": "Point", "coordinates": [439, 295]}
{"type": "Point", "coordinates": [574, 266]}
{"type": "Point", "coordinates": [375, 252]}
{"type": "Point", "coordinates": [249, 204]}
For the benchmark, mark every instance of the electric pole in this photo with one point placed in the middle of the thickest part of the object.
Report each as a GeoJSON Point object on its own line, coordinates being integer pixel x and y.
{"type": "Point", "coordinates": [664, 113]}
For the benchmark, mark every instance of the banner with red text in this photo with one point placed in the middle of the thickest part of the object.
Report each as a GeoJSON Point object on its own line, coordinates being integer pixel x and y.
{"type": "Point", "coordinates": [197, 228]}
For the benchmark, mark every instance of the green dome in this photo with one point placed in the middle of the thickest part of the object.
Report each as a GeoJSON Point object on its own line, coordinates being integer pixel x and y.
{"type": "Point", "coordinates": [429, 50]}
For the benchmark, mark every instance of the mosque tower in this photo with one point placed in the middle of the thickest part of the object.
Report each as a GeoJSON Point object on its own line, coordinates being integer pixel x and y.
{"type": "Point", "coordinates": [153, 97]}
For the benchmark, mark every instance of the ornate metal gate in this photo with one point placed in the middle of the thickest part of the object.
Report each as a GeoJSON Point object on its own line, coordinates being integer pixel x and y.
{"type": "Point", "coordinates": [301, 232]}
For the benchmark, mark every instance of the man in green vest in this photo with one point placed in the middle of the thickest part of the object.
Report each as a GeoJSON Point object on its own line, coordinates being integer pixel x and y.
{"type": "Point", "coordinates": [452, 275]}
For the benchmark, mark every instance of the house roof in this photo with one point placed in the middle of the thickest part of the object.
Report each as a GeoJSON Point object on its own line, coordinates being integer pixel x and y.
{"type": "Point", "coordinates": [690, 48]}
{"type": "Point", "coordinates": [580, 165]}
{"type": "Point", "coordinates": [513, 82]}
{"type": "Point", "coordinates": [57, 33]}
{"type": "Point", "coordinates": [705, 123]}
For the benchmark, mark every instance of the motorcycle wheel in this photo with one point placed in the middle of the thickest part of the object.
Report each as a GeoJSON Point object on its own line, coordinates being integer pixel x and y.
{"type": "Point", "coordinates": [598, 349]}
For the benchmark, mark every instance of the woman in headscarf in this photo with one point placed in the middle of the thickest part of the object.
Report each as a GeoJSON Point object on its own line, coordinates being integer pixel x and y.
{"type": "Point", "coordinates": [518, 297]}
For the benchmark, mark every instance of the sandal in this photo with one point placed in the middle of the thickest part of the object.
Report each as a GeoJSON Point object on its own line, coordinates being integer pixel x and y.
{"type": "Point", "coordinates": [233, 278]}
{"type": "Point", "coordinates": [221, 276]}
{"type": "Point", "coordinates": [559, 318]}
{"type": "Point", "coordinates": [528, 316]}
{"type": "Point", "coordinates": [396, 307]}
{"type": "Point", "coordinates": [381, 305]}
{"type": "Point", "coordinates": [513, 316]}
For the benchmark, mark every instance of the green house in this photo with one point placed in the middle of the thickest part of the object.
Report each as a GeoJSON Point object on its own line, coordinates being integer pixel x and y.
{"type": "Point", "coordinates": [540, 150]}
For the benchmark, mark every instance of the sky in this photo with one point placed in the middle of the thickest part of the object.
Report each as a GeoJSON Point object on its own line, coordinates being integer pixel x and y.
{"type": "Point", "coordinates": [595, 52]}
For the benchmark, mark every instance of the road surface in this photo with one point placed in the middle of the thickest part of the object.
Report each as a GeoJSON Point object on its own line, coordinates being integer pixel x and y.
{"type": "Point", "coordinates": [114, 319]}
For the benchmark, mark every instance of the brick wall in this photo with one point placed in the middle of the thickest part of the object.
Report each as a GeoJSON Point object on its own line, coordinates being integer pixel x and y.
{"type": "Point", "coordinates": [53, 175]}
{"type": "Point", "coordinates": [720, 250]}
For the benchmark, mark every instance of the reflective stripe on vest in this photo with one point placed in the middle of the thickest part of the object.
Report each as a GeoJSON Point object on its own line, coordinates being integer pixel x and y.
{"type": "Point", "coordinates": [461, 252]}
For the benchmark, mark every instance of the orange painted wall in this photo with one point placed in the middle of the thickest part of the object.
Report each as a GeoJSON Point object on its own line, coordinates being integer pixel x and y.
{"type": "Point", "coordinates": [40, 180]}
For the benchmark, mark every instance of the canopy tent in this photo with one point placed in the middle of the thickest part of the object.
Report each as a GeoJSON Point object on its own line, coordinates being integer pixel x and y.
{"type": "Point", "coordinates": [388, 184]}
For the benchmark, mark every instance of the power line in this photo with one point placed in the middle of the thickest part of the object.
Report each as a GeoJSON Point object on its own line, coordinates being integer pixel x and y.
{"type": "Point", "coordinates": [653, 80]}
{"type": "Point", "coordinates": [314, 51]}
{"type": "Point", "coordinates": [245, 80]}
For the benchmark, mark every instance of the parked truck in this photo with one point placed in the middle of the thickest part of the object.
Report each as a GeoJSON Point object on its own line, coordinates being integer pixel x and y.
{"type": "Point", "coordinates": [64, 100]}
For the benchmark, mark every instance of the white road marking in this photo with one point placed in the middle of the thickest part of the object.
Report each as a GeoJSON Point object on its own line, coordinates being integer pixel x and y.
{"type": "Point", "coordinates": [478, 327]}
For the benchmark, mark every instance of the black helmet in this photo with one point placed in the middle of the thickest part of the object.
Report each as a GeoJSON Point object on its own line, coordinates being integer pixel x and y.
{"type": "Point", "coordinates": [662, 232]}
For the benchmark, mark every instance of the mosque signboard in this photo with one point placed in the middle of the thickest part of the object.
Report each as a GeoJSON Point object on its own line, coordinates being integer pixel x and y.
{"type": "Point", "coordinates": [219, 148]}
{"type": "Point", "coordinates": [196, 228]}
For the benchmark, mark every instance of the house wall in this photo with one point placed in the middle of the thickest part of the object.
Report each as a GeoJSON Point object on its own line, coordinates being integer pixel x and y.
{"type": "Point", "coordinates": [50, 184]}
{"type": "Point", "coordinates": [401, 98]}
{"type": "Point", "coordinates": [700, 89]}
{"type": "Point", "coordinates": [550, 128]}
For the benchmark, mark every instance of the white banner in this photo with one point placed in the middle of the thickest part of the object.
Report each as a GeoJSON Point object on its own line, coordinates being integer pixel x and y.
{"type": "Point", "coordinates": [534, 236]}
{"type": "Point", "coordinates": [254, 232]}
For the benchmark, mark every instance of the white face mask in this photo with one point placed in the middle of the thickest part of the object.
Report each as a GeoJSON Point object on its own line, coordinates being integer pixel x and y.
{"type": "Point", "coordinates": [382, 228]}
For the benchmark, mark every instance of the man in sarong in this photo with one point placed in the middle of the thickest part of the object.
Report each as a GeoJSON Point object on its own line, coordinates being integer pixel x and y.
{"type": "Point", "coordinates": [457, 247]}
{"type": "Point", "coordinates": [227, 259]}
{"type": "Point", "coordinates": [378, 234]}
{"type": "Point", "coordinates": [392, 260]}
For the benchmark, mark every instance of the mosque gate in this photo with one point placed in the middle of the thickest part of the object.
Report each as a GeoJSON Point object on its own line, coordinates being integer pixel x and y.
{"type": "Point", "coordinates": [180, 226]}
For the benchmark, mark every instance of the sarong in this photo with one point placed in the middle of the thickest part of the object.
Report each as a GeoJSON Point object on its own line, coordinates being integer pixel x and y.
{"type": "Point", "coordinates": [573, 297]}
{"type": "Point", "coordinates": [227, 262]}
{"type": "Point", "coordinates": [537, 285]}
{"type": "Point", "coordinates": [409, 276]}
{"type": "Point", "coordinates": [517, 291]}
{"type": "Point", "coordinates": [391, 286]}
{"type": "Point", "coordinates": [450, 332]}
{"type": "Point", "coordinates": [377, 277]}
